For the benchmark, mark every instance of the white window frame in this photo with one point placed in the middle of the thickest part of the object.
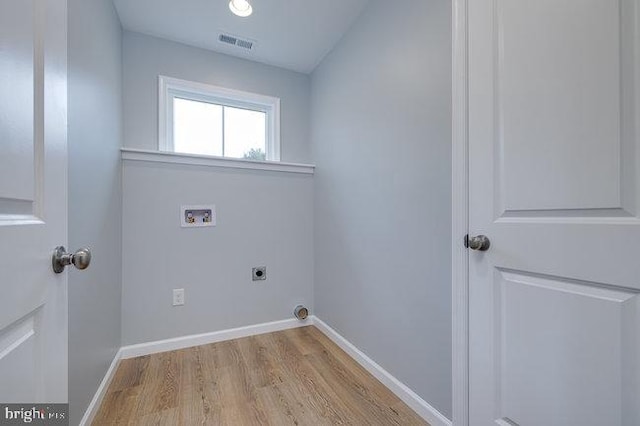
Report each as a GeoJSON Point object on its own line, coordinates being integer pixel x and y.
{"type": "Point", "coordinates": [170, 88]}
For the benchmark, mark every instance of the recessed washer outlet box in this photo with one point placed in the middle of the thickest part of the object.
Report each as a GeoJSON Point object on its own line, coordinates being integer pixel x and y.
{"type": "Point", "coordinates": [259, 273]}
{"type": "Point", "coordinates": [198, 216]}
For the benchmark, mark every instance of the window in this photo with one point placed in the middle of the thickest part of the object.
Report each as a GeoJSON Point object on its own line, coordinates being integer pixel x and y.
{"type": "Point", "coordinates": [196, 118]}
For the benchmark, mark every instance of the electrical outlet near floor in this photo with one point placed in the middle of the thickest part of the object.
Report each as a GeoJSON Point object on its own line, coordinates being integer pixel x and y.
{"type": "Point", "coordinates": [178, 296]}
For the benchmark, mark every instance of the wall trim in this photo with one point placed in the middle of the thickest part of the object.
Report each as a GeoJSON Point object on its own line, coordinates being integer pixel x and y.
{"type": "Point", "coordinates": [460, 213]}
{"type": "Point", "coordinates": [173, 344]}
{"type": "Point", "coordinates": [151, 156]}
{"type": "Point", "coordinates": [96, 401]}
{"type": "Point", "coordinates": [402, 391]}
{"type": "Point", "coordinates": [149, 348]}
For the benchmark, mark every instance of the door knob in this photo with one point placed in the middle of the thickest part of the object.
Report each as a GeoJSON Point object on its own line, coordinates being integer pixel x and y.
{"type": "Point", "coordinates": [480, 242]}
{"type": "Point", "coordinates": [60, 259]}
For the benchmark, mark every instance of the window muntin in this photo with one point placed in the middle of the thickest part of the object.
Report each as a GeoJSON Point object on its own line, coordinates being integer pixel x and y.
{"type": "Point", "coordinates": [200, 119]}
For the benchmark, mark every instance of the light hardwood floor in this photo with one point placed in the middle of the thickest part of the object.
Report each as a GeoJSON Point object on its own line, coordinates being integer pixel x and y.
{"type": "Point", "coordinates": [292, 377]}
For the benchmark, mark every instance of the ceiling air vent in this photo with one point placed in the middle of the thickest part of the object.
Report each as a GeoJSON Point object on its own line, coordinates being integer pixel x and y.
{"type": "Point", "coordinates": [236, 41]}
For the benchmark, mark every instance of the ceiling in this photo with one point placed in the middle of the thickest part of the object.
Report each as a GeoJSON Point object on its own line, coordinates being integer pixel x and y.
{"type": "Point", "coordinates": [292, 34]}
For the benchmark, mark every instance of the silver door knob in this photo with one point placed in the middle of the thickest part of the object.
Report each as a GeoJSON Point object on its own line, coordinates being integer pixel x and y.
{"type": "Point", "coordinates": [81, 259]}
{"type": "Point", "coordinates": [480, 242]}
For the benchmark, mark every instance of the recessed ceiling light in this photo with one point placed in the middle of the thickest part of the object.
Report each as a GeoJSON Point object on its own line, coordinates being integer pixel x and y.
{"type": "Point", "coordinates": [241, 7]}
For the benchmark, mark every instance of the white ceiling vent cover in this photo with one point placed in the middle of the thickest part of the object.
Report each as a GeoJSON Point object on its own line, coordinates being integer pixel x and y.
{"type": "Point", "coordinates": [236, 41]}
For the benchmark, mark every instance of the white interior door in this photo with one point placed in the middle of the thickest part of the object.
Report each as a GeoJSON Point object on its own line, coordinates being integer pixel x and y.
{"type": "Point", "coordinates": [554, 181]}
{"type": "Point", "coordinates": [33, 200]}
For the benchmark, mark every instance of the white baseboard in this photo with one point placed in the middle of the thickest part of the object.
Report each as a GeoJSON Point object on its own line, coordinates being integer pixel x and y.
{"type": "Point", "coordinates": [207, 338]}
{"type": "Point", "coordinates": [402, 391]}
{"type": "Point", "coordinates": [141, 349]}
{"type": "Point", "coordinates": [420, 406]}
{"type": "Point", "coordinates": [95, 403]}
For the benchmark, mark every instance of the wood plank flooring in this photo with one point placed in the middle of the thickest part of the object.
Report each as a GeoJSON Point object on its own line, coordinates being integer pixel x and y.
{"type": "Point", "coordinates": [292, 377]}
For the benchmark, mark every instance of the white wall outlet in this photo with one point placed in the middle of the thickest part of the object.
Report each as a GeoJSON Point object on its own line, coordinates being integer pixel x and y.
{"type": "Point", "coordinates": [178, 296]}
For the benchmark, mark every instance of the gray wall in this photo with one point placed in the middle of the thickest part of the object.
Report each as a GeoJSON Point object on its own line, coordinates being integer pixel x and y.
{"type": "Point", "coordinates": [264, 218]}
{"type": "Point", "coordinates": [382, 146]}
{"type": "Point", "coordinates": [146, 57]}
{"type": "Point", "coordinates": [95, 138]}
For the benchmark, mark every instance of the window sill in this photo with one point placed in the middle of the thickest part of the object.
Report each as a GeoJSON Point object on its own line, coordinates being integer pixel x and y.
{"type": "Point", "coordinates": [129, 154]}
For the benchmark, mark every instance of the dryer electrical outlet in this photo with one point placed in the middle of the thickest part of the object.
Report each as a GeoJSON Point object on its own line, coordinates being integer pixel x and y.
{"type": "Point", "coordinates": [259, 273]}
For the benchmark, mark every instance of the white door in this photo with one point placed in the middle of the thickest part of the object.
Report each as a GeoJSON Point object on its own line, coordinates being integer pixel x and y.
{"type": "Point", "coordinates": [33, 200]}
{"type": "Point", "coordinates": [554, 180]}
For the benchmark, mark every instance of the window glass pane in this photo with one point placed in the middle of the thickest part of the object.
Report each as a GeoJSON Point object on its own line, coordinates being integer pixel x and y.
{"type": "Point", "coordinates": [245, 133]}
{"type": "Point", "coordinates": [197, 127]}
